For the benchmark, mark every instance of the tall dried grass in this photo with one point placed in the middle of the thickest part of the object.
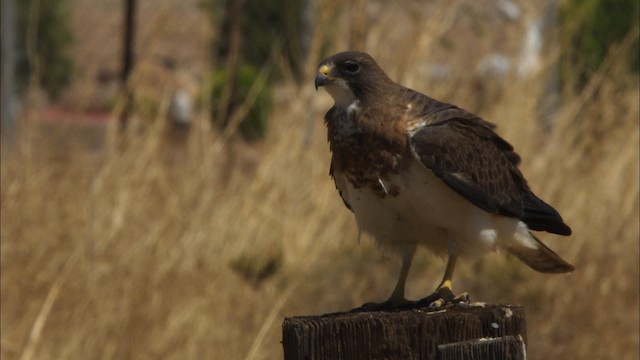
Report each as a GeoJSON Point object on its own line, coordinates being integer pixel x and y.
{"type": "Point", "coordinates": [164, 248]}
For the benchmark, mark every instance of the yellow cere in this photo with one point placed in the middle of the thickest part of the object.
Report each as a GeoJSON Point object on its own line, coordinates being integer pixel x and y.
{"type": "Point", "coordinates": [324, 70]}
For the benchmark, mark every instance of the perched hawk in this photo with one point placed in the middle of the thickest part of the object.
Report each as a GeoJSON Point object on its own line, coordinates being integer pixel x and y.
{"type": "Point", "coordinates": [416, 171]}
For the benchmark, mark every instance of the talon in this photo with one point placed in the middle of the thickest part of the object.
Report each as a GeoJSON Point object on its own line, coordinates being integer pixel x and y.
{"type": "Point", "coordinates": [436, 304]}
{"type": "Point", "coordinates": [441, 297]}
{"type": "Point", "coordinates": [462, 298]}
{"type": "Point", "coordinates": [444, 294]}
{"type": "Point", "coordinates": [391, 304]}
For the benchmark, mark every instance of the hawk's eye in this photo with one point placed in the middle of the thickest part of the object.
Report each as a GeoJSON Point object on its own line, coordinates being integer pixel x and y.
{"type": "Point", "coordinates": [351, 67]}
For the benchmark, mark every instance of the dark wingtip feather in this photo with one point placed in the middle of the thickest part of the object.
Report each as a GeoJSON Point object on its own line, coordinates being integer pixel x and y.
{"type": "Point", "coordinates": [540, 216]}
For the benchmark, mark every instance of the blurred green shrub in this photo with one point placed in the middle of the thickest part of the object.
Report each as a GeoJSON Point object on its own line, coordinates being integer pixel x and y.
{"type": "Point", "coordinates": [265, 24]}
{"type": "Point", "coordinates": [44, 38]}
{"type": "Point", "coordinates": [588, 29]}
{"type": "Point", "coordinates": [253, 34]}
{"type": "Point", "coordinates": [254, 125]}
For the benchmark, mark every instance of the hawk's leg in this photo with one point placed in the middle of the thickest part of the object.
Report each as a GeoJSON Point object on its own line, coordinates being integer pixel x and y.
{"type": "Point", "coordinates": [444, 293]}
{"type": "Point", "coordinates": [397, 299]}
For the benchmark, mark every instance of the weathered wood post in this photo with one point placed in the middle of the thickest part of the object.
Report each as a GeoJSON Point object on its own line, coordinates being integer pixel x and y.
{"type": "Point", "coordinates": [475, 331]}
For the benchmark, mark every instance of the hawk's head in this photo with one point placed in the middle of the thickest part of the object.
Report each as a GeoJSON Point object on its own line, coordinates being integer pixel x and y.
{"type": "Point", "coordinates": [350, 76]}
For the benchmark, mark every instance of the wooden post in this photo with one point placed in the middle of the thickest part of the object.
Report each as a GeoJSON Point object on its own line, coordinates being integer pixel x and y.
{"type": "Point", "coordinates": [476, 331]}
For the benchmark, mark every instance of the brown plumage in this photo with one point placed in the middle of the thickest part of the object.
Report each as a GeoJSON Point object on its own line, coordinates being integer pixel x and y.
{"type": "Point", "coordinates": [417, 171]}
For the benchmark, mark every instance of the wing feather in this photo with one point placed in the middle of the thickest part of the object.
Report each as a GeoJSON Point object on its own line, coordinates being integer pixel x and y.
{"type": "Point", "coordinates": [474, 161]}
{"type": "Point", "coordinates": [464, 155]}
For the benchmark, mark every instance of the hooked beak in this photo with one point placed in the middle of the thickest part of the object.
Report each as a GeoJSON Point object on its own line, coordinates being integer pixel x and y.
{"type": "Point", "coordinates": [322, 78]}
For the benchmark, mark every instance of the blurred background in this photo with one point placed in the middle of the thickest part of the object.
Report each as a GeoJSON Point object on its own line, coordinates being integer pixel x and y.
{"type": "Point", "coordinates": [165, 190]}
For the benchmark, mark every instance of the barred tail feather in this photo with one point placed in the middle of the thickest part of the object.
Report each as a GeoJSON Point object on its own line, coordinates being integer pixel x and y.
{"type": "Point", "coordinates": [541, 259]}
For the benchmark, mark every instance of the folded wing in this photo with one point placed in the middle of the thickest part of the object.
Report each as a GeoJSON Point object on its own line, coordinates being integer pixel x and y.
{"type": "Point", "coordinates": [465, 152]}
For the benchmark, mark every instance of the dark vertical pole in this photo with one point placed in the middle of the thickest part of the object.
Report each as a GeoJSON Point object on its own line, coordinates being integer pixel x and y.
{"type": "Point", "coordinates": [8, 71]}
{"type": "Point", "coordinates": [233, 31]}
{"type": "Point", "coordinates": [127, 59]}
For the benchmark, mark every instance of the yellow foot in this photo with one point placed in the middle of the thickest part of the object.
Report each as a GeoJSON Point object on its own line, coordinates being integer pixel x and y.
{"type": "Point", "coordinates": [443, 296]}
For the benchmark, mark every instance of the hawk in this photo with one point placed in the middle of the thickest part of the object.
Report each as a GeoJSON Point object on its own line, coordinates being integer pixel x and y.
{"type": "Point", "coordinates": [417, 171]}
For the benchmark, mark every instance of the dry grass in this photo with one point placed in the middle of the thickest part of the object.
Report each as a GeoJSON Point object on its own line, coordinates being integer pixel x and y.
{"type": "Point", "coordinates": [165, 249]}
